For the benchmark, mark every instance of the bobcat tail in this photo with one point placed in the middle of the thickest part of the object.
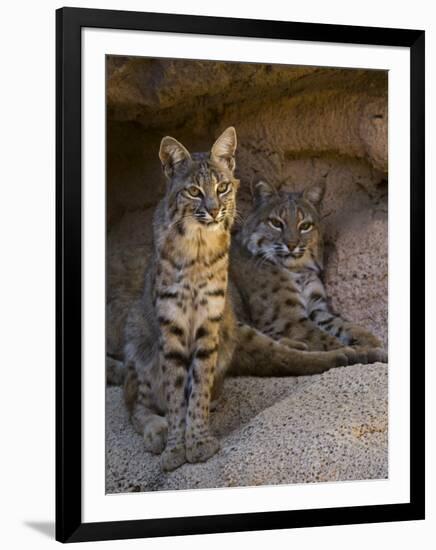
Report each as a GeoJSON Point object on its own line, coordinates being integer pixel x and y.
{"type": "Point", "coordinates": [115, 371]}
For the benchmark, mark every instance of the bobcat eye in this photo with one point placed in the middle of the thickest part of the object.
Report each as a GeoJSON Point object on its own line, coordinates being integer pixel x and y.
{"type": "Point", "coordinates": [194, 191]}
{"type": "Point", "coordinates": [222, 187]}
{"type": "Point", "coordinates": [305, 227]}
{"type": "Point", "coordinates": [275, 223]}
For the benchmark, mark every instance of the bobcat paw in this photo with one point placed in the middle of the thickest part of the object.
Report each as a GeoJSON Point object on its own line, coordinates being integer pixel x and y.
{"type": "Point", "coordinates": [376, 355]}
{"type": "Point", "coordinates": [362, 338]}
{"type": "Point", "coordinates": [335, 358]}
{"type": "Point", "coordinates": [202, 449]}
{"type": "Point", "coordinates": [155, 434]}
{"type": "Point", "coordinates": [173, 457]}
{"type": "Point", "coordinates": [354, 355]}
{"type": "Point", "coordinates": [365, 355]}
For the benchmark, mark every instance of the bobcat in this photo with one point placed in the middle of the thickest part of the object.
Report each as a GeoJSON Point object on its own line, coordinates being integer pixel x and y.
{"type": "Point", "coordinates": [276, 263]}
{"type": "Point", "coordinates": [182, 336]}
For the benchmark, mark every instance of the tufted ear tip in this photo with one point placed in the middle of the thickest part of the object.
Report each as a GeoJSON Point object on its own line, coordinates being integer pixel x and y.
{"type": "Point", "coordinates": [230, 132]}
{"type": "Point", "coordinates": [172, 155]}
{"type": "Point", "coordinates": [315, 193]}
{"type": "Point", "coordinates": [163, 148]}
{"type": "Point", "coordinates": [224, 148]}
{"type": "Point", "coordinates": [229, 136]}
{"type": "Point", "coordinates": [262, 191]}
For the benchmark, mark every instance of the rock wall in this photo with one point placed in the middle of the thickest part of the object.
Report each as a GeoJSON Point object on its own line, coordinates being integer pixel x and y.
{"type": "Point", "coordinates": [294, 125]}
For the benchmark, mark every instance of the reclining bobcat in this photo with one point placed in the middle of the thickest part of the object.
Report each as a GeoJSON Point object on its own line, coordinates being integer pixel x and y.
{"type": "Point", "coordinates": [182, 336]}
{"type": "Point", "coordinates": [281, 242]}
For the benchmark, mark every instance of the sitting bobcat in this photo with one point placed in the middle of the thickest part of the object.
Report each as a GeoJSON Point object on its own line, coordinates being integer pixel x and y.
{"type": "Point", "coordinates": [276, 263]}
{"type": "Point", "coordinates": [182, 336]}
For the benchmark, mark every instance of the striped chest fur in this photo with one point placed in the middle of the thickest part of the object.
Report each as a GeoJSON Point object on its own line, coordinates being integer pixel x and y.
{"type": "Point", "coordinates": [278, 299]}
{"type": "Point", "coordinates": [190, 286]}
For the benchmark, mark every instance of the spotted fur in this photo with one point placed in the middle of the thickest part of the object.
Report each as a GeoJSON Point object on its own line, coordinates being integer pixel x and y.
{"type": "Point", "coordinates": [277, 263]}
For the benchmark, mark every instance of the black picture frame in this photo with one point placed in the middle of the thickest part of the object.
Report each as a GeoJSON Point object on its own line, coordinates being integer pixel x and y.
{"type": "Point", "coordinates": [69, 525]}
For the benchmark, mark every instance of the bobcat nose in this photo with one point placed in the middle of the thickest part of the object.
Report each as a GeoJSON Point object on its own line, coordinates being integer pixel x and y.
{"type": "Point", "coordinates": [291, 245]}
{"type": "Point", "coordinates": [213, 212]}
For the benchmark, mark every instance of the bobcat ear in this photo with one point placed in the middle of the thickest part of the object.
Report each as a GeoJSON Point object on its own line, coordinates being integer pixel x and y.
{"type": "Point", "coordinates": [173, 156]}
{"type": "Point", "coordinates": [223, 150]}
{"type": "Point", "coordinates": [263, 191]}
{"type": "Point", "coordinates": [315, 193]}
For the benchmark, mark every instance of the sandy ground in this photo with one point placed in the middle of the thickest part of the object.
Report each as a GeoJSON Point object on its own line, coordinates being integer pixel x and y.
{"type": "Point", "coordinates": [327, 427]}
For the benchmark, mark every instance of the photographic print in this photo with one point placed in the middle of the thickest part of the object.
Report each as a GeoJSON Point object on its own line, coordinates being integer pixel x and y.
{"type": "Point", "coordinates": [247, 274]}
{"type": "Point", "coordinates": [239, 275]}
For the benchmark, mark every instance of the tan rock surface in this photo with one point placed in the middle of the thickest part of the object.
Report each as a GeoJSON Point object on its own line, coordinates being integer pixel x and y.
{"type": "Point", "coordinates": [329, 427]}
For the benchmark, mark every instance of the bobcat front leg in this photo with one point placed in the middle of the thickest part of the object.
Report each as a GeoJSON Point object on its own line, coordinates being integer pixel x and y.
{"type": "Point", "coordinates": [257, 354]}
{"type": "Point", "coordinates": [174, 363]}
{"type": "Point", "coordinates": [318, 340]}
{"type": "Point", "coordinates": [368, 347]}
{"type": "Point", "coordinates": [362, 339]}
{"type": "Point", "coordinates": [315, 339]}
{"type": "Point", "coordinates": [200, 444]}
